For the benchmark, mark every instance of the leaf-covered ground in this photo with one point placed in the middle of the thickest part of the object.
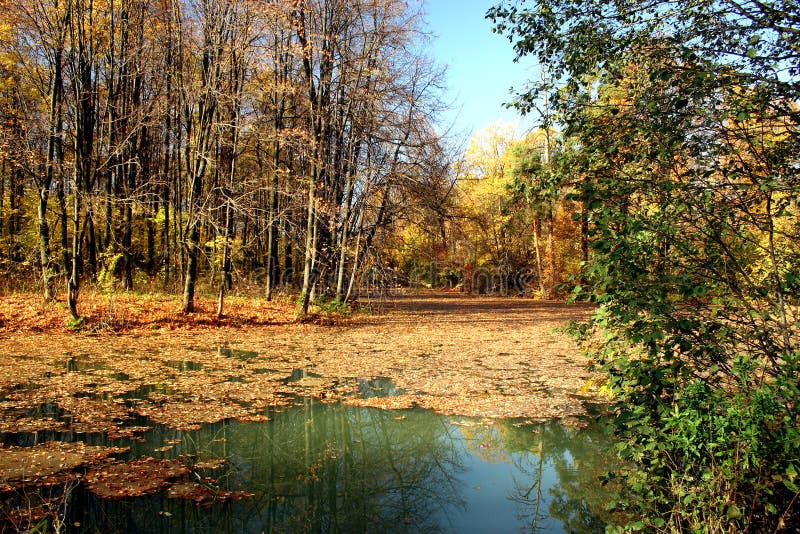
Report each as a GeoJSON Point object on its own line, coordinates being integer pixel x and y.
{"type": "Point", "coordinates": [138, 362]}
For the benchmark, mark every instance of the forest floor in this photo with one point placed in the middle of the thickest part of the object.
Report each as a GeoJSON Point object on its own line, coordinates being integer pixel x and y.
{"type": "Point", "coordinates": [135, 355]}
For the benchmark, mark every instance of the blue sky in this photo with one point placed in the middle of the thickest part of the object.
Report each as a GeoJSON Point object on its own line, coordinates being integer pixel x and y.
{"type": "Point", "coordinates": [481, 67]}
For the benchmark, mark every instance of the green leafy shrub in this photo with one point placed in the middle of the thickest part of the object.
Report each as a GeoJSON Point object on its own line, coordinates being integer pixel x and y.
{"type": "Point", "coordinates": [333, 306]}
{"type": "Point", "coordinates": [705, 456]}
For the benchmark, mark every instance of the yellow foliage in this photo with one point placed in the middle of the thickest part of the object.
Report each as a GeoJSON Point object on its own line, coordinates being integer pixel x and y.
{"type": "Point", "coordinates": [485, 153]}
{"type": "Point", "coordinates": [484, 177]}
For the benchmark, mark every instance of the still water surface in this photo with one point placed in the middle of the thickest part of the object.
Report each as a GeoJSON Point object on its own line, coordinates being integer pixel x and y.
{"type": "Point", "coordinates": [330, 468]}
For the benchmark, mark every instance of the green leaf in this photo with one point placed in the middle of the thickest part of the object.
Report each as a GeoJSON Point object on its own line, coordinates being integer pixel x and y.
{"type": "Point", "coordinates": [734, 512]}
{"type": "Point", "coordinates": [791, 472]}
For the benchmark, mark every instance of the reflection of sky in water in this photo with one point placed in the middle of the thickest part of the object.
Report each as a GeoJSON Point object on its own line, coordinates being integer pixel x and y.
{"type": "Point", "coordinates": [500, 495]}
{"type": "Point", "coordinates": [486, 495]}
{"type": "Point", "coordinates": [330, 468]}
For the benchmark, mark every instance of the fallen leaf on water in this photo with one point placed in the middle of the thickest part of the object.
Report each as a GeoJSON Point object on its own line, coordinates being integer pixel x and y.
{"type": "Point", "coordinates": [134, 479]}
{"type": "Point", "coordinates": [214, 463]}
{"type": "Point", "coordinates": [29, 463]}
{"type": "Point", "coordinates": [257, 418]}
{"type": "Point", "coordinates": [204, 494]}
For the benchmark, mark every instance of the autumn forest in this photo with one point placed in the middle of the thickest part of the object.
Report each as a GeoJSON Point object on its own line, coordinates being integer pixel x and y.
{"type": "Point", "coordinates": [621, 279]}
{"type": "Point", "coordinates": [174, 144]}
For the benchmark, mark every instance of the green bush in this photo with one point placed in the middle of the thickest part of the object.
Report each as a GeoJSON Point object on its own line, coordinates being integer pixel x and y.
{"type": "Point", "coordinates": [333, 306]}
{"type": "Point", "coordinates": [705, 454]}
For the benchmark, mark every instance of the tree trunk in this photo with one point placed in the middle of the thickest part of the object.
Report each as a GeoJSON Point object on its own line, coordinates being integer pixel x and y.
{"type": "Point", "coordinates": [63, 220]}
{"type": "Point", "coordinates": [44, 244]}
{"type": "Point", "coordinates": [192, 250]}
{"type": "Point", "coordinates": [127, 242]}
{"type": "Point", "coordinates": [310, 251]}
{"type": "Point", "coordinates": [225, 281]}
{"type": "Point", "coordinates": [288, 257]}
{"type": "Point", "coordinates": [14, 201]}
{"type": "Point", "coordinates": [83, 84]}
{"type": "Point", "coordinates": [584, 239]}
{"type": "Point", "coordinates": [151, 237]}
{"type": "Point", "coordinates": [343, 245]}
{"type": "Point", "coordinates": [347, 200]}
{"type": "Point", "coordinates": [215, 27]}
{"type": "Point", "coordinates": [73, 282]}
{"type": "Point", "coordinates": [54, 118]}
{"type": "Point", "coordinates": [356, 255]}
{"type": "Point", "coordinates": [165, 234]}
{"type": "Point", "coordinates": [538, 251]}
{"type": "Point", "coordinates": [551, 257]}
{"type": "Point", "coordinates": [108, 231]}
{"type": "Point", "coordinates": [280, 77]}
{"type": "Point", "coordinates": [91, 241]}
{"type": "Point", "coordinates": [2, 194]}
{"type": "Point", "coordinates": [273, 271]}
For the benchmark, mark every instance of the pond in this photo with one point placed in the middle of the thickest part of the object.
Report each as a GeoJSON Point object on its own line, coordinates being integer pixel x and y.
{"type": "Point", "coordinates": [315, 467]}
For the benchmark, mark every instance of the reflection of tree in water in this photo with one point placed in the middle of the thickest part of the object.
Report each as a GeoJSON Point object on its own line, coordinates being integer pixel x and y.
{"type": "Point", "coordinates": [320, 467]}
{"type": "Point", "coordinates": [313, 468]}
{"type": "Point", "coordinates": [361, 470]}
{"type": "Point", "coordinates": [559, 474]}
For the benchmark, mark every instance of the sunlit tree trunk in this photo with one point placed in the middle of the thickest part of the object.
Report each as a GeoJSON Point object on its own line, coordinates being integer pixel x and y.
{"type": "Point", "coordinates": [552, 275]}
{"type": "Point", "coordinates": [315, 85]}
{"type": "Point", "coordinates": [281, 74]}
{"type": "Point", "coordinates": [54, 119]}
{"type": "Point", "coordinates": [343, 238]}
{"type": "Point", "coordinates": [537, 248]}
{"type": "Point", "coordinates": [310, 248]}
{"type": "Point", "coordinates": [272, 224]}
{"type": "Point", "coordinates": [215, 29]}
{"type": "Point", "coordinates": [236, 82]}
{"type": "Point", "coordinates": [84, 89]}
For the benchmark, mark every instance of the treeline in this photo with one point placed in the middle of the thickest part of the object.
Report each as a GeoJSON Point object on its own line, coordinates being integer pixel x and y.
{"type": "Point", "coordinates": [174, 142]}
{"type": "Point", "coordinates": [510, 224]}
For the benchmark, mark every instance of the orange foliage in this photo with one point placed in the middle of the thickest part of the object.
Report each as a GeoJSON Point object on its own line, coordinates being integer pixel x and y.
{"type": "Point", "coordinates": [131, 313]}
